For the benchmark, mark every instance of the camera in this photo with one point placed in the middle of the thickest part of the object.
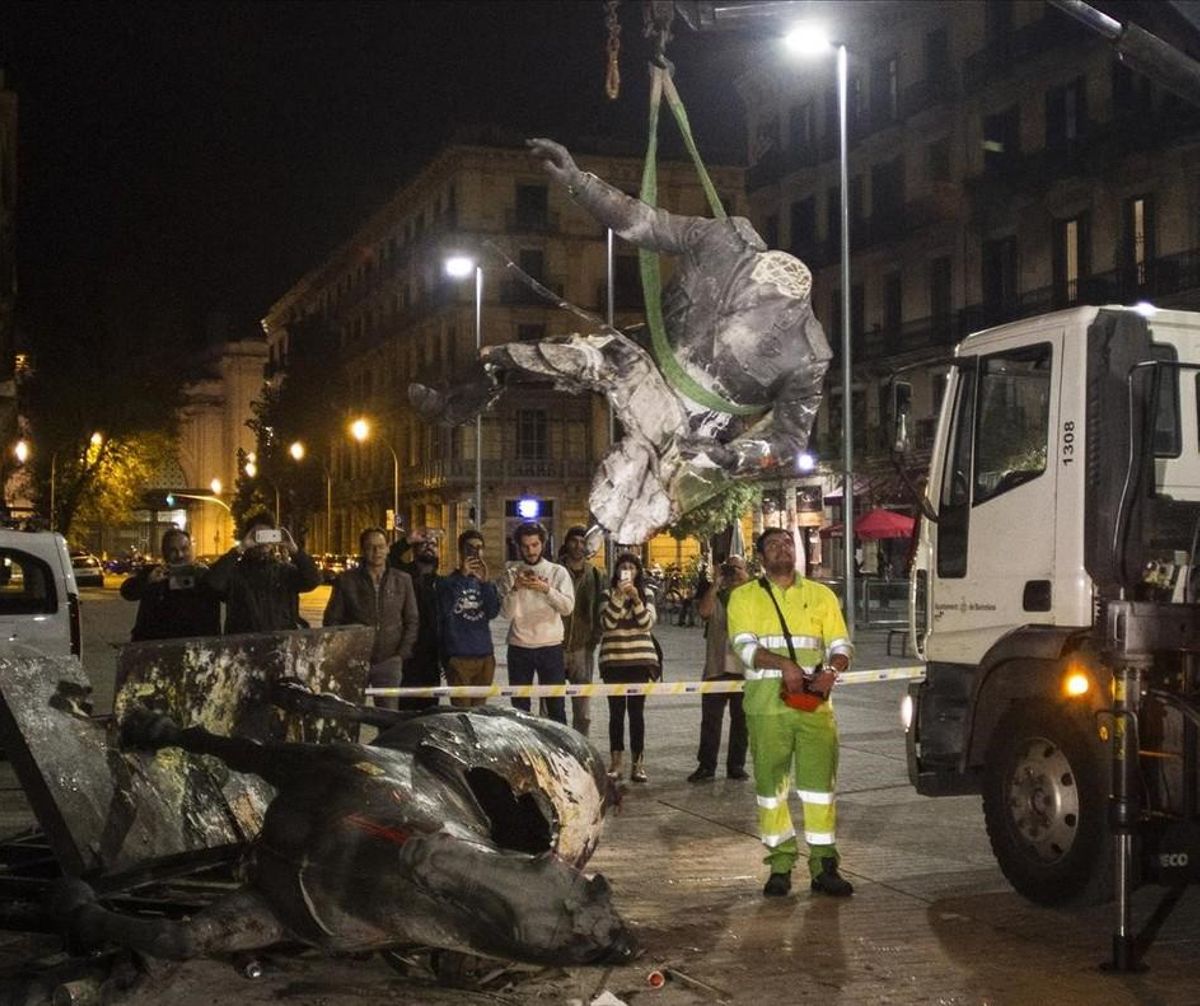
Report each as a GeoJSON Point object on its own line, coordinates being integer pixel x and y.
{"type": "Point", "coordinates": [181, 577]}
{"type": "Point", "coordinates": [268, 536]}
{"type": "Point", "coordinates": [626, 575]}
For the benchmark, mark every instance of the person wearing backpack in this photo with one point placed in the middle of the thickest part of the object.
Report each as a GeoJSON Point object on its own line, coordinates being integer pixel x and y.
{"type": "Point", "coordinates": [581, 628]}
{"type": "Point", "coordinates": [791, 638]}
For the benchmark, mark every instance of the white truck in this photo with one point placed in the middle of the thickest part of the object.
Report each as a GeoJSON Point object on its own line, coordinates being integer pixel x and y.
{"type": "Point", "coordinates": [1054, 600]}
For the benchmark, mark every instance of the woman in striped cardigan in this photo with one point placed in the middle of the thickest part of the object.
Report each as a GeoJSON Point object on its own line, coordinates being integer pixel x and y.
{"type": "Point", "coordinates": [627, 656]}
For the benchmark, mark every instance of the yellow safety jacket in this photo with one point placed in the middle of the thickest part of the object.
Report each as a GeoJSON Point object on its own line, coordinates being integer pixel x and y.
{"type": "Point", "coordinates": [814, 619]}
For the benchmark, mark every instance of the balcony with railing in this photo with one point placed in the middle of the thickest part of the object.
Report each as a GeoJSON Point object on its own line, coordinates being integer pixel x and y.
{"type": "Point", "coordinates": [1004, 56]}
{"type": "Point", "coordinates": [460, 472]}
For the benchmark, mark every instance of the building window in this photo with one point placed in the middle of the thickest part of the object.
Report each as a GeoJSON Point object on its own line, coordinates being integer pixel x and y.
{"type": "Point", "coordinates": [801, 126]}
{"type": "Point", "coordinates": [887, 188]}
{"type": "Point", "coordinates": [937, 158]}
{"type": "Point", "coordinates": [893, 303]}
{"type": "Point", "coordinates": [1071, 259]}
{"type": "Point", "coordinates": [833, 213]}
{"type": "Point", "coordinates": [530, 333]}
{"type": "Point", "coordinates": [937, 55]}
{"type": "Point", "coordinates": [941, 294]}
{"type": "Point", "coordinates": [1001, 138]}
{"type": "Point", "coordinates": [999, 265]}
{"type": "Point", "coordinates": [533, 262]}
{"type": "Point", "coordinates": [771, 230]}
{"type": "Point", "coordinates": [804, 224]}
{"type": "Point", "coordinates": [533, 442]}
{"type": "Point", "coordinates": [531, 207]}
{"type": "Point", "coordinates": [885, 90]}
{"type": "Point", "coordinates": [1139, 244]}
{"type": "Point", "coordinates": [1066, 113]}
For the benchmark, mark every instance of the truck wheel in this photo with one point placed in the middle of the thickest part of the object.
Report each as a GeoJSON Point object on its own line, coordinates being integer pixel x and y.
{"type": "Point", "coordinates": [1045, 798]}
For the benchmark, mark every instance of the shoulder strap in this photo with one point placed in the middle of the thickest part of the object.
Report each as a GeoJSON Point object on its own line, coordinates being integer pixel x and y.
{"type": "Point", "coordinates": [787, 633]}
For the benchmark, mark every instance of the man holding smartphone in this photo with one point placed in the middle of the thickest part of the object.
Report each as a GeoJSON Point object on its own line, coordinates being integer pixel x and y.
{"type": "Point", "coordinates": [467, 602]}
{"type": "Point", "coordinates": [536, 594]}
{"type": "Point", "coordinates": [174, 601]}
{"type": "Point", "coordinates": [262, 577]}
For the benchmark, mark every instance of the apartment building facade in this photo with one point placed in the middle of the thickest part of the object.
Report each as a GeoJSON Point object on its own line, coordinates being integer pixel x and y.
{"type": "Point", "coordinates": [1002, 164]}
{"type": "Point", "coordinates": [382, 312]}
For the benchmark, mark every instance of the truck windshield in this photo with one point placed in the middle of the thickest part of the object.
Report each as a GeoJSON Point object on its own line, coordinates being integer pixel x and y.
{"type": "Point", "coordinates": [1013, 420]}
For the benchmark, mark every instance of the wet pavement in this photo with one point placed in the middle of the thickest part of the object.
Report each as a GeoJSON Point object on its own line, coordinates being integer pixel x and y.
{"type": "Point", "coordinates": [932, 920]}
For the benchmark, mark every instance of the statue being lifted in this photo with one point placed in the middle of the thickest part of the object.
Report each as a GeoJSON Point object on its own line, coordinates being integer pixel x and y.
{"type": "Point", "coordinates": [739, 393]}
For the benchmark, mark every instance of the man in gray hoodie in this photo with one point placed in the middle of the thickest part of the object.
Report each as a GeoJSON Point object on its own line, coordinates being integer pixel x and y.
{"type": "Point", "coordinates": [536, 594]}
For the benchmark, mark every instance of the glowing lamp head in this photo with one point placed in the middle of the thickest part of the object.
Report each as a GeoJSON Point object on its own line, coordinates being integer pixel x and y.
{"type": "Point", "coordinates": [97, 439]}
{"type": "Point", "coordinates": [297, 451]}
{"type": "Point", "coordinates": [459, 266]}
{"type": "Point", "coordinates": [360, 429]}
{"type": "Point", "coordinates": [529, 508]}
{"type": "Point", "coordinates": [807, 40]}
{"type": "Point", "coordinates": [805, 462]}
{"type": "Point", "coordinates": [216, 487]}
{"type": "Point", "coordinates": [251, 469]}
{"type": "Point", "coordinates": [21, 451]}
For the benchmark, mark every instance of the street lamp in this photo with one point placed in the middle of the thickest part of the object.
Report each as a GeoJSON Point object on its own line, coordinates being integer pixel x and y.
{"type": "Point", "coordinates": [460, 267]}
{"type": "Point", "coordinates": [298, 451]}
{"type": "Point", "coordinates": [21, 451]}
{"type": "Point", "coordinates": [360, 430]}
{"type": "Point", "coordinates": [810, 40]}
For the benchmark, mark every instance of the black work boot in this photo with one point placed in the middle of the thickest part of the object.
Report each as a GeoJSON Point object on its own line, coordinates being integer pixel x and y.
{"type": "Point", "coordinates": [778, 885]}
{"type": "Point", "coordinates": [830, 882]}
{"type": "Point", "coordinates": [702, 774]}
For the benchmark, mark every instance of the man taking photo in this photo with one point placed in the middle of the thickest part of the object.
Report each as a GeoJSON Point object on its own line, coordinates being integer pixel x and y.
{"type": "Point", "coordinates": [174, 601]}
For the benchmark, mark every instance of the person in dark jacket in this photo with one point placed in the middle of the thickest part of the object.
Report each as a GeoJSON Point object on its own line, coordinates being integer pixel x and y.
{"type": "Point", "coordinates": [377, 595]}
{"type": "Point", "coordinates": [262, 577]}
{"type": "Point", "coordinates": [174, 601]}
{"type": "Point", "coordinates": [467, 601]}
{"type": "Point", "coordinates": [424, 668]}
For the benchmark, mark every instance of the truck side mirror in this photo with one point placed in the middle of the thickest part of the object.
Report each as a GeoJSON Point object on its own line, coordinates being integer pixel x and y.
{"type": "Point", "coordinates": [901, 408]}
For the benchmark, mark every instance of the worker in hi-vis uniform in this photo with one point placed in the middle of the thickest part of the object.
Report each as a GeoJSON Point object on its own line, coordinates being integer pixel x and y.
{"type": "Point", "coordinates": [791, 637]}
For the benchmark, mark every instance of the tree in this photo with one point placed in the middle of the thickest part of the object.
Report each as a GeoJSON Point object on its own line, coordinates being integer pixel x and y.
{"type": "Point", "coordinates": [308, 405]}
{"type": "Point", "coordinates": [718, 513]}
{"type": "Point", "coordinates": [102, 407]}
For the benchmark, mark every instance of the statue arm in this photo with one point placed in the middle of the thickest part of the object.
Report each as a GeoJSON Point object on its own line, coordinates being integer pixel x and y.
{"type": "Point", "coordinates": [632, 219]}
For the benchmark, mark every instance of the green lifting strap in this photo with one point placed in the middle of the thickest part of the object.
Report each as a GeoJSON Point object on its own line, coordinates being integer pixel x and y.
{"type": "Point", "coordinates": [648, 261]}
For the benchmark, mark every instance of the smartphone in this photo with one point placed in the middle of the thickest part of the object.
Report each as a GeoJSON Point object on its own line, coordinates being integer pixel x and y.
{"type": "Point", "coordinates": [268, 535]}
{"type": "Point", "coordinates": [626, 575]}
{"type": "Point", "coordinates": [474, 550]}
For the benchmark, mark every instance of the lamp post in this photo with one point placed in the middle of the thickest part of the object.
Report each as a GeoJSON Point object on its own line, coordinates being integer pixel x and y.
{"type": "Point", "coordinates": [460, 267]}
{"type": "Point", "coordinates": [360, 430]}
{"type": "Point", "coordinates": [811, 40]}
{"type": "Point", "coordinates": [298, 451]}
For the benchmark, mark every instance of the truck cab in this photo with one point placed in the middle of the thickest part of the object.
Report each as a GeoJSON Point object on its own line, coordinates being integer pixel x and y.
{"type": "Point", "coordinates": [1064, 480]}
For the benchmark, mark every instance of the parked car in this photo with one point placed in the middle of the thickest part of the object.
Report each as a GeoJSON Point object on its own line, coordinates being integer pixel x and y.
{"type": "Point", "coordinates": [88, 571]}
{"type": "Point", "coordinates": [333, 565]}
{"type": "Point", "coordinates": [39, 598]}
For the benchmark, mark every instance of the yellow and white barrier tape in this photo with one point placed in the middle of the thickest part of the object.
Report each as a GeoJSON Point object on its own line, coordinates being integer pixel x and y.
{"type": "Point", "coordinates": [644, 688]}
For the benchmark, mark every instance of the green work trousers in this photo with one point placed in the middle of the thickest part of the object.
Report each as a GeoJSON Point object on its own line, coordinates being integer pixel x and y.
{"type": "Point", "coordinates": [798, 747]}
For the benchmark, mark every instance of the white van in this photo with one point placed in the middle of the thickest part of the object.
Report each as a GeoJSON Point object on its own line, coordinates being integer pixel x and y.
{"type": "Point", "coordinates": [39, 601]}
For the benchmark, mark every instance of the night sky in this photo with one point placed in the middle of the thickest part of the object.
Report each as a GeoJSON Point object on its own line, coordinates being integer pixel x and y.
{"type": "Point", "coordinates": [178, 160]}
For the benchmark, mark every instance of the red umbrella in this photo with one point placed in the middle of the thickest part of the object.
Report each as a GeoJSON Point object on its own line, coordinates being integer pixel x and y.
{"type": "Point", "coordinates": [880, 523]}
